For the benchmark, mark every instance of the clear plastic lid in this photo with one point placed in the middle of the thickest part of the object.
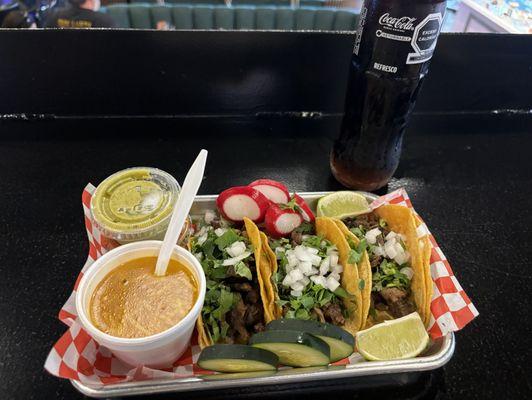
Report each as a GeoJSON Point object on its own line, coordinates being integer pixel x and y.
{"type": "Point", "coordinates": [134, 204]}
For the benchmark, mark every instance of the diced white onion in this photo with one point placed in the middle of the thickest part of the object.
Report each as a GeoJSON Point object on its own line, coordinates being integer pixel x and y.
{"type": "Point", "coordinates": [202, 239]}
{"type": "Point", "coordinates": [319, 280]}
{"type": "Point", "coordinates": [390, 235]}
{"type": "Point", "coordinates": [287, 281]}
{"type": "Point", "coordinates": [312, 250]}
{"type": "Point", "coordinates": [338, 269]}
{"type": "Point", "coordinates": [402, 258]}
{"type": "Point", "coordinates": [390, 250]}
{"type": "Point", "coordinates": [332, 249]}
{"type": "Point", "coordinates": [409, 272]}
{"type": "Point", "coordinates": [296, 293]}
{"type": "Point", "coordinates": [315, 260]}
{"type": "Point", "coordinates": [379, 251]}
{"type": "Point", "coordinates": [305, 281]}
{"type": "Point", "coordinates": [332, 284]}
{"type": "Point", "coordinates": [236, 260]}
{"type": "Point", "coordinates": [296, 275]}
{"type": "Point", "coordinates": [399, 248]}
{"type": "Point", "coordinates": [209, 216]}
{"type": "Point", "coordinates": [291, 258]}
{"type": "Point", "coordinates": [236, 249]}
{"type": "Point", "coordinates": [305, 267]}
{"type": "Point", "coordinates": [301, 253]}
{"type": "Point", "coordinates": [371, 236]}
{"type": "Point", "coordinates": [324, 266]}
{"type": "Point", "coordinates": [220, 231]}
{"type": "Point", "coordinates": [334, 275]}
{"type": "Point", "coordinates": [297, 286]}
{"type": "Point", "coordinates": [374, 232]}
{"type": "Point", "coordinates": [199, 256]}
{"type": "Point", "coordinates": [313, 271]}
{"type": "Point", "coordinates": [333, 260]}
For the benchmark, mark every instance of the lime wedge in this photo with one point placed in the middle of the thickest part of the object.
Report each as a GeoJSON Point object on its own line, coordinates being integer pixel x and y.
{"type": "Point", "coordinates": [342, 205]}
{"type": "Point", "coordinates": [404, 337]}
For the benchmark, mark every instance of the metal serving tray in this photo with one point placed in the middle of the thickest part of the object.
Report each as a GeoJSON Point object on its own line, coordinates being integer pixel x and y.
{"type": "Point", "coordinates": [438, 354]}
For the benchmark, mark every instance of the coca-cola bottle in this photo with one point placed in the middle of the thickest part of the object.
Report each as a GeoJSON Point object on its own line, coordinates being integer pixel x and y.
{"type": "Point", "coordinates": [394, 43]}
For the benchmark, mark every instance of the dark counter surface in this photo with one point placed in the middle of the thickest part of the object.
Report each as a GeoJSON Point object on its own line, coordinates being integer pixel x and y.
{"type": "Point", "coordinates": [473, 187]}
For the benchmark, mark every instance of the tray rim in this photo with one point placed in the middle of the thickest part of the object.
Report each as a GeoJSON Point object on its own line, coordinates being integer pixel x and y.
{"type": "Point", "coordinates": [426, 363]}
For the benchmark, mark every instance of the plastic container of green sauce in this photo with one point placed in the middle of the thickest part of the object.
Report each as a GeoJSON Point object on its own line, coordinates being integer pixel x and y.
{"type": "Point", "coordinates": [135, 204]}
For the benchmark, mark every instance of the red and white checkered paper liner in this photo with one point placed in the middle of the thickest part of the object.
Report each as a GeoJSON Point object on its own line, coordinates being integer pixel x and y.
{"type": "Point", "coordinates": [77, 356]}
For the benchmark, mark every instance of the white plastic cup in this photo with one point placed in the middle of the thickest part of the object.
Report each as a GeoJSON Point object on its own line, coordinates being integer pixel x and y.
{"type": "Point", "coordinates": [155, 351]}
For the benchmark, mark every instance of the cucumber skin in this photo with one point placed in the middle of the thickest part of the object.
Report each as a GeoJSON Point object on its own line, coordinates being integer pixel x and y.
{"type": "Point", "coordinates": [342, 355]}
{"type": "Point", "coordinates": [238, 352]}
{"type": "Point", "coordinates": [313, 327]}
{"type": "Point", "coordinates": [286, 336]}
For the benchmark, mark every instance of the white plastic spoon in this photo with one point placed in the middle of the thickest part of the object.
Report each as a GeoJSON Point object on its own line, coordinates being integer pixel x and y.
{"type": "Point", "coordinates": [181, 209]}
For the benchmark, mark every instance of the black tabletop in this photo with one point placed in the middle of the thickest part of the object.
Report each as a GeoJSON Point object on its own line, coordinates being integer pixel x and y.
{"type": "Point", "coordinates": [472, 186]}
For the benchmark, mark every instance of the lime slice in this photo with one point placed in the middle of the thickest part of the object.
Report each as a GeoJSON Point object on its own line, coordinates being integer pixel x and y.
{"type": "Point", "coordinates": [342, 204]}
{"type": "Point", "coordinates": [404, 337]}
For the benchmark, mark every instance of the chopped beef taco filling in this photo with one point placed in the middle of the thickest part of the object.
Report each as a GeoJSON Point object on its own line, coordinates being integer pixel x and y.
{"type": "Point", "coordinates": [233, 308]}
{"type": "Point", "coordinates": [390, 264]}
{"type": "Point", "coordinates": [308, 278]}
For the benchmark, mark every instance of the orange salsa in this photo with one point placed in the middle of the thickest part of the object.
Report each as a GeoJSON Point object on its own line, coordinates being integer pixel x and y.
{"type": "Point", "coordinates": [131, 302]}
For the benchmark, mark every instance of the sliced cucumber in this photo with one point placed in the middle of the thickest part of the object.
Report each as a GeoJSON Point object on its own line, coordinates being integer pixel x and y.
{"type": "Point", "coordinates": [238, 375]}
{"type": "Point", "coordinates": [296, 349]}
{"type": "Point", "coordinates": [237, 358]}
{"type": "Point", "coordinates": [341, 342]}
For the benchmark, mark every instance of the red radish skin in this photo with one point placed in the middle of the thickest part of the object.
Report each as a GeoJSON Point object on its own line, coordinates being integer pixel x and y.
{"type": "Point", "coordinates": [279, 222]}
{"type": "Point", "coordinates": [273, 190]}
{"type": "Point", "coordinates": [242, 201]}
{"type": "Point", "coordinates": [306, 212]}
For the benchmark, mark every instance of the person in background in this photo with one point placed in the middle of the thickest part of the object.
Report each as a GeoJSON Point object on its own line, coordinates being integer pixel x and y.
{"type": "Point", "coordinates": [164, 26]}
{"type": "Point", "coordinates": [17, 19]}
{"type": "Point", "coordinates": [80, 14]}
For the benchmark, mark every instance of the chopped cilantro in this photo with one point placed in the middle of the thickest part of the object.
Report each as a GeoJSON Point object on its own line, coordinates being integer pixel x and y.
{"type": "Point", "coordinates": [227, 239]}
{"type": "Point", "coordinates": [218, 302]}
{"type": "Point", "coordinates": [243, 270]}
{"type": "Point", "coordinates": [359, 231]}
{"type": "Point", "coordinates": [341, 292]}
{"type": "Point", "coordinates": [302, 314]}
{"type": "Point", "coordinates": [307, 301]}
{"type": "Point", "coordinates": [388, 275]}
{"type": "Point", "coordinates": [313, 241]}
{"type": "Point", "coordinates": [355, 254]}
{"type": "Point", "coordinates": [305, 228]}
{"type": "Point", "coordinates": [361, 284]}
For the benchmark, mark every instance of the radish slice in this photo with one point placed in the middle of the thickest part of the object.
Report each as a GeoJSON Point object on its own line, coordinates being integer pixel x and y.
{"type": "Point", "coordinates": [306, 212]}
{"type": "Point", "coordinates": [281, 222]}
{"type": "Point", "coordinates": [242, 201]}
{"type": "Point", "coordinates": [273, 190]}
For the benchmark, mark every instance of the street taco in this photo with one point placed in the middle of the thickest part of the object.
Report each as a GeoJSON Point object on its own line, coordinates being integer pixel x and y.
{"type": "Point", "coordinates": [236, 303]}
{"type": "Point", "coordinates": [311, 278]}
{"type": "Point", "coordinates": [387, 248]}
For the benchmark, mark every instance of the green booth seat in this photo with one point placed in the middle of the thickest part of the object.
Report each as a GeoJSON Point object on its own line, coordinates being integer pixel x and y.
{"type": "Point", "coordinates": [187, 16]}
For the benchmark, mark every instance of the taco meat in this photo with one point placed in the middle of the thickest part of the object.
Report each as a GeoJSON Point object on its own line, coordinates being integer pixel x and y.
{"type": "Point", "coordinates": [397, 301]}
{"type": "Point", "coordinates": [391, 290]}
{"type": "Point", "coordinates": [333, 314]}
{"type": "Point", "coordinates": [233, 309]}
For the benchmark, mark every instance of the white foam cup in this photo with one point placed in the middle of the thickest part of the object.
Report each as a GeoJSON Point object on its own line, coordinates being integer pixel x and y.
{"type": "Point", "coordinates": [156, 351]}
